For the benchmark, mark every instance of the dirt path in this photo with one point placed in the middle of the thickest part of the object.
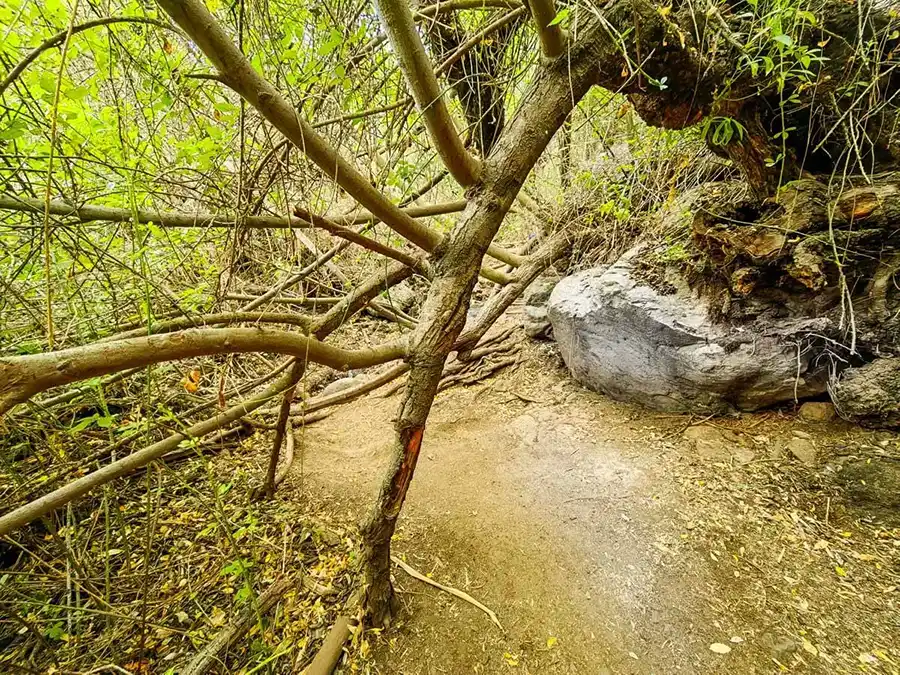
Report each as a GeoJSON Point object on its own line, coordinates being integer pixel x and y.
{"type": "Point", "coordinates": [607, 544]}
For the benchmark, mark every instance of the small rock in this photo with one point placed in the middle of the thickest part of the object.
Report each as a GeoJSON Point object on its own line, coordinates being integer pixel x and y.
{"type": "Point", "coordinates": [801, 434]}
{"type": "Point", "coordinates": [743, 455]}
{"type": "Point", "coordinates": [784, 649]}
{"type": "Point", "coordinates": [815, 411]}
{"type": "Point", "coordinates": [537, 322]}
{"type": "Point", "coordinates": [708, 441]}
{"type": "Point", "coordinates": [776, 450]}
{"type": "Point", "coordinates": [340, 385]}
{"type": "Point", "coordinates": [804, 450]}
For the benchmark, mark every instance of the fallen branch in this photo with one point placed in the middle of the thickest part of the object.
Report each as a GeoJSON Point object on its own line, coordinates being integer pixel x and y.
{"type": "Point", "coordinates": [330, 652]}
{"type": "Point", "coordinates": [447, 589]}
{"type": "Point", "coordinates": [234, 631]}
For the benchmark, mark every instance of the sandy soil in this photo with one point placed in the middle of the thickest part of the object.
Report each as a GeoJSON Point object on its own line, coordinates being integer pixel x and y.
{"type": "Point", "coordinates": [607, 542]}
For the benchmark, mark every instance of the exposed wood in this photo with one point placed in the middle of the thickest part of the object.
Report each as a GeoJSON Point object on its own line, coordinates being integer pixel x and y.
{"type": "Point", "coordinates": [330, 652]}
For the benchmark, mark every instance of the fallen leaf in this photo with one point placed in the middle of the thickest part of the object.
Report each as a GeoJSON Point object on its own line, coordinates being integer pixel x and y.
{"type": "Point", "coordinates": [217, 618]}
{"type": "Point", "coordinates": [551, 642]}
{"type": "Point", "coordinates": [719, 648]}
{"type": "Point", "coordinates": [737, 639]}
{"type": "Point", "coordinates": [810, 647]}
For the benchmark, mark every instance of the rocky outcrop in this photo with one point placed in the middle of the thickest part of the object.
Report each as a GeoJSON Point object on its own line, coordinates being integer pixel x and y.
{"type": "Point", "coordinates": [622, 336]}
{"type": "Point", "coordinates": [870, 395]}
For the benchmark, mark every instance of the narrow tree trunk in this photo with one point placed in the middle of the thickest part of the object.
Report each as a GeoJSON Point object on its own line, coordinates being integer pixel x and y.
{"type": "Point", "coordinates": [284, 413]}
{"type": "Point", "coordinates": [443, 315]}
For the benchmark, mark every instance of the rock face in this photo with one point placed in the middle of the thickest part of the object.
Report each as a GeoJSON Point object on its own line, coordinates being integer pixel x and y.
{"type": "Point", "coordinates": [620, 336]}
{"type": "Point", "coordinates": [870, 394]}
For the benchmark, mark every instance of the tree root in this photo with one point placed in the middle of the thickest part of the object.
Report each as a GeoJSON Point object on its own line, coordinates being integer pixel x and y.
{"type": "Point", "coordinates": [447, 589]}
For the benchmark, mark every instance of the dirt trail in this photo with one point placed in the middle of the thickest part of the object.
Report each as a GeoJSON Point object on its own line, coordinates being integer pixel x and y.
{"type": "Point", "coordinates": [605, 543]}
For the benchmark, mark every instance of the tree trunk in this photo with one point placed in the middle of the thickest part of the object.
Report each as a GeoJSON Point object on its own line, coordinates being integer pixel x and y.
{"type": "Point", "coordinates": [560, 85]}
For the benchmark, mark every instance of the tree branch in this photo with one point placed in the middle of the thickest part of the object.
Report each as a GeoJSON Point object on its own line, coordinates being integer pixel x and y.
{"type": "Point", "coordinates": [553, 39]}
{"type": "Point", "coordinates": [21, 377]}
{"type": "Point", "coordinates": [401, 31]}
{"type": "Point", "coordinates": [200, 25]}
{"type": "Point", "coordinates": [60, 37]}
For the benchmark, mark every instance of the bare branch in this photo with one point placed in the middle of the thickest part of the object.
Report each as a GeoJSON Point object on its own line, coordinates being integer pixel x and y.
{"type": "Point", "coordinates": [195, 19]}
{"type": "Point", "coordinates": [60, 37]}
{"type": "Point", "coordinates": [552, 37]}
{"type": "Point", "coordinates": [184, 322]}
{"type": "Point", "coordinates": [21, 377]}
{"type": "Point", "coordinates": [401, 31]}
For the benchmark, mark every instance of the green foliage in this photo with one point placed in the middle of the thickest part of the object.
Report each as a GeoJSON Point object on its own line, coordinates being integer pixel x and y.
{"type": "Point", "coordinates": [722, 130]}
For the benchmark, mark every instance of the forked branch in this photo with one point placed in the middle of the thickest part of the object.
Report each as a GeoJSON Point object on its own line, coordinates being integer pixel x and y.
{"type": "Point", "coordinates": [551, 35]}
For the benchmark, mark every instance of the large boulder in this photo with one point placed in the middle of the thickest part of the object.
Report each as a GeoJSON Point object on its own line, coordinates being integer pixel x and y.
{"type": "Point", "coordinates": [870, 394]}
{"type": "Point", "coordinates": [622, 336]}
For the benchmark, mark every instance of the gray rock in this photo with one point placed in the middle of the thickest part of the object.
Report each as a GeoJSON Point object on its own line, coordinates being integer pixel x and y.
{"type": "Point", "coordinates": [870, 394]}
{"type": "Point", "coordinates": [621, 337]}
{"type": "Point", "coordinates": [402, 296]}
{"type": "Point", "coordinates": [536, 321]}
{"type": "Point", "coordinates": [339, 385]}
{"type": "Point", "coordinates": [804, 450]}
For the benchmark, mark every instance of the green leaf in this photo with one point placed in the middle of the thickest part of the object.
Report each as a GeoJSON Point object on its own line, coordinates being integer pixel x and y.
{"type": "Point", "coordinates": [563, 15]}
{"type": "Point", "coordinates": [48, 82]}
{"type": "Point", "coordinates": [784, 40]}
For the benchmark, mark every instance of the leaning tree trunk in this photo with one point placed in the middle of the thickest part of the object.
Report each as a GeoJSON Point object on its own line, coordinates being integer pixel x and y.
{"type": "Point", "coordinates": [560, 85]}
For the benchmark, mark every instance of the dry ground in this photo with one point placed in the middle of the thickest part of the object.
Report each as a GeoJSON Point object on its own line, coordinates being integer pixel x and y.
{"type": "Point", "coordinates": [607, 543]}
